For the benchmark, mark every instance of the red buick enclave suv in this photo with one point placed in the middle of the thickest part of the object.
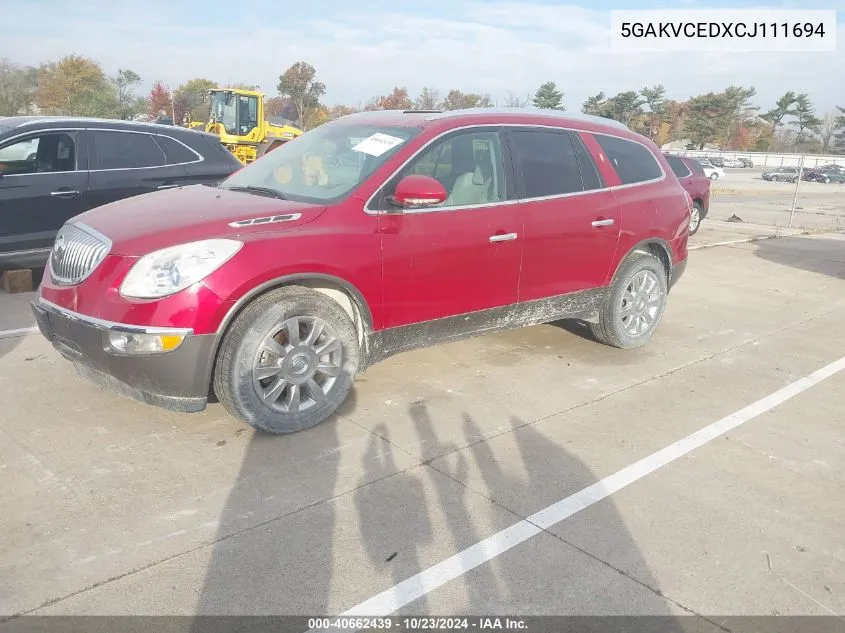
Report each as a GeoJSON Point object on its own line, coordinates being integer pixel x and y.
{"type": "Point", "coordinates": [692, 178]}
{"type": "Point", "coordinates": [374, 234]}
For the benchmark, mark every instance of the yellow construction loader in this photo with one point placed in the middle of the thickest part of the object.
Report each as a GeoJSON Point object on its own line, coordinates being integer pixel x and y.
{"type": "Point", "coordinates": [237, 117]}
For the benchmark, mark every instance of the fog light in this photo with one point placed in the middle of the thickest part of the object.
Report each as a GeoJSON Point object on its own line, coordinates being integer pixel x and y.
{"type": "Point", "coordinates": [144, 343]}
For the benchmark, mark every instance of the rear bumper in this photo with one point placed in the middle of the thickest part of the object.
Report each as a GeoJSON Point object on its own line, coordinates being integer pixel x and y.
{"type": "Point", "coordinates": [176, 380]}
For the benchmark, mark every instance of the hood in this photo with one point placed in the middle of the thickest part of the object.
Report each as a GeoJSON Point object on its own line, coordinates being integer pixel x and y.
{"type": "Point", "coordinates": [148, 222]}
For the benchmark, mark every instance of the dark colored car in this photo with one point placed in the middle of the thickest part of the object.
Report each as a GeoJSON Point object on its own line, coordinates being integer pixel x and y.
{"type": "Point", "coordinates": [825, 173]}
{"type": "Point", "coordinates": [781, 174]}
{"type": "Point", "coordinates": [54, 168]}
{"type": "Point", "coordinates": [717, 161]}
{"type": "Point", "coordinates": [746, 162]}
{"type": "Point", "coordinates": [692, 177]}
{"type": "Point", "coordinates": [277, 287]}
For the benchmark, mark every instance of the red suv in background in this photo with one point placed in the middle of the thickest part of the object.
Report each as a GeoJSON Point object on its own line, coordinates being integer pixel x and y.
{"type": "Point", "coordinates": [697, 185]}
{"type": "Point", "coordinates": [371, 235]}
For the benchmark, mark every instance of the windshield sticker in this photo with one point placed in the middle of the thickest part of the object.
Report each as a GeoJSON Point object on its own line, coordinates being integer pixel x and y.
{"type": "Point", "coordinates": [378, 144]}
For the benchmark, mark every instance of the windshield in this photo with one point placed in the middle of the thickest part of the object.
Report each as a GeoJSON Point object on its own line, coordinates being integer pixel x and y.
{"type": "Point", "coordinates": [324, 164]}
{"type": "Point", "coordinates": [224, 109]}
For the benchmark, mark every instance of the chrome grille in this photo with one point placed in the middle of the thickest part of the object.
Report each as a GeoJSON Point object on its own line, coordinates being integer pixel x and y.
{"type": "Point", "coordinates": [77, 251]}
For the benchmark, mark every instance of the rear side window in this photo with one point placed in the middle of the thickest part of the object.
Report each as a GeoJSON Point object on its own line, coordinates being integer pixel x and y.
{"type": "Point", "coordinates": [589, 172]}
{"type": "Point", "coordinates": [678, 166]}
{"type": "Point", "coordinates": [174, 152]}
{"type": "Point", "coordinates": [633, 162]}
{"type": "Point", "coordinates": [124, 150]}
{"type": "Point", "coordinates": [548, 161]}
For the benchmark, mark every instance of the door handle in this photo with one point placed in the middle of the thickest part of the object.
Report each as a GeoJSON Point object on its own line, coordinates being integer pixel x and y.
{"type": "Point", "coordinates": [167, 186]}
{"type": "Point", "coordinates": [607, 222]}
{"type": "Point", "coordinates": [504, 237]}
{"type": "Point", "coordinates": [65, 193]}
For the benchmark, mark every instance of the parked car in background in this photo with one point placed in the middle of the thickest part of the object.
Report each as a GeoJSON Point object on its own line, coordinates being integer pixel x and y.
{"type": "Point", "coordinates": [746, 162]}
{"type": "Point", "coordinates": [825, 173]}
{"type": "Point", "coordinates": [19, 151]}
{"type": "Point", "coordinates": [691, 175]}
{"type": "Point", "coordinates": [716, 161]}
{"type": "Point", "coordinates": [731, 162]}
{"type": "Point", "coordinates": [278, 286]}
{"type": "Point", "coordinates": [53, 168]}
{"type": "Point", "coordinates": [712, 171]}
{"type": "Point", "coordinates": [781, 174]}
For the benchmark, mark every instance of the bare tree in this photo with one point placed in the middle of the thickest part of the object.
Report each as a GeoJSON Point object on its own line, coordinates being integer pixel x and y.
{"type": "Point", "coordinates": [513, 101]}
{"type": "Point", "coordinates": [827, 131]}
{"type": "Point", "coordinates": [429, 99]}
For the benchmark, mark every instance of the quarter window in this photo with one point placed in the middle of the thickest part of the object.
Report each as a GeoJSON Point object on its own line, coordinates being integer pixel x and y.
{"type": "Point", "coordinates": [125, 150]}
{"type": "Point", "coordinates": [468, 165]}
{"type": "Point", "coordinates": [549, 164]}
{"type": "Point", "coordinates": [40, 154]}
{"type": "Point", "coordinates": [678, 166]}
{"type": "Point", "coordinates": [633, 162]}
{"type": "Point", "coordinates": [696, 166]}
{"type": "Point", "coordinates": [174, 152]}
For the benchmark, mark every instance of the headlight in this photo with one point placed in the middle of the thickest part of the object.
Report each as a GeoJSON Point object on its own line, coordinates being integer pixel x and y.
{"type": "Point", "coordinates": [172, 269]}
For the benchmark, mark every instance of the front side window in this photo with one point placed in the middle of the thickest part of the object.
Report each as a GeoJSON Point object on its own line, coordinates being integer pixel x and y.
{"type": "Point", "coordinates": [322, 165]}
{"type": "Point", "coordinates": [45, 153]}
{"type": "Point", "coordinates": [124, 150]}
{"type": "Point", "coordinates": [469, 165]}
{"type": "Point", "coordinates": [549, 164]}
{"type": "Point", "coordinates": [633, 162]}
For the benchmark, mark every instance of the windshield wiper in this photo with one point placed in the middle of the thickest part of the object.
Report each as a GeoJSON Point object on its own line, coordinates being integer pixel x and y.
{"type": "Point", "coordinates": [264, 191]}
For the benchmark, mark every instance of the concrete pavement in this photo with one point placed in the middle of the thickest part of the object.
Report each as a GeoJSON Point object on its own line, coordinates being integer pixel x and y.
{"type": "Point", "coordinates": [118, 508]}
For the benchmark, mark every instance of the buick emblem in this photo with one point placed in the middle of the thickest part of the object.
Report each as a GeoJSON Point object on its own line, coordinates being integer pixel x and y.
{"type": "Point", "coordinates": [61, 247]}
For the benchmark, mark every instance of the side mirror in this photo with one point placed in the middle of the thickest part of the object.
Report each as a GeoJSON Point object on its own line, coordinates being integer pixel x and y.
{"type": "Point", "coordinates": [418, 191]}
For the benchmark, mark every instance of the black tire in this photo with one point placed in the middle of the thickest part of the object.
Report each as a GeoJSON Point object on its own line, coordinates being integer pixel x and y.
{"type": "Point", "coordinates": [609, 329]}
{"type": "Point", "coordinates": [233, 378]}
{"type": "Point", "coordinates": [696, 208]}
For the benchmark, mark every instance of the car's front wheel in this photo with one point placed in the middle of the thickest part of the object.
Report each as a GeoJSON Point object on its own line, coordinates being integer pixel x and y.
{"type": "Point", "coordinates": [634, 304]}
{"type": "Point", "coordinates": [287, 361]}
{"type": "Point", "coordinates": [714, 176]}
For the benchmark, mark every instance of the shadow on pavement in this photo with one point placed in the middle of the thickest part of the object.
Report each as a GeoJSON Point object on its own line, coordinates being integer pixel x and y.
{"type": "Point", "coordinates": [400, 514]}
{"type": "Point", "coordinates": [825, 255]}
{"type": "Point", "coordinates": [254, 568]}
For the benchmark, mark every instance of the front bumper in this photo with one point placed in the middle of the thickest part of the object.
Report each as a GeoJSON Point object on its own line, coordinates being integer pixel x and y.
{"type": "Point", "coordinates": [176, 380]}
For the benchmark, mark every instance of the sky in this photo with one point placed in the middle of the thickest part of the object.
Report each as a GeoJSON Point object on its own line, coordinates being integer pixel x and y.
{"type": "Point", "coordinates": [364, 50]}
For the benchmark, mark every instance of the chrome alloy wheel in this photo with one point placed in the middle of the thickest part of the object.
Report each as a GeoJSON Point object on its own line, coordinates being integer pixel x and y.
{"type": "Point", "coordinates": [640, 303]}
{"type": "Point", "coordinates": [695, 219]}
{"type": "Point", "coordinates": [297, 364]}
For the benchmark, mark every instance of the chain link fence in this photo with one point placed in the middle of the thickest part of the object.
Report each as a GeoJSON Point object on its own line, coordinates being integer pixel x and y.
{"type": "Point", "coordinates": [798, 191]}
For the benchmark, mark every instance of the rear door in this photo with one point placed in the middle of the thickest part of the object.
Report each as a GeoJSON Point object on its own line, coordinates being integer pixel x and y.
{"type": "Point", "coordinates": [128, 163]}
{"type": "Point", "coordinates": [571, 219]}
{"type": "Point", "coordinates": [43, 183]}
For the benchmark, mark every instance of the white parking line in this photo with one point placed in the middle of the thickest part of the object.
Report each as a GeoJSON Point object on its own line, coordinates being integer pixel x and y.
{"type": "Point", "coordinates": [19, 332]}
{"type": "Point", "coordinates": [430, 579]}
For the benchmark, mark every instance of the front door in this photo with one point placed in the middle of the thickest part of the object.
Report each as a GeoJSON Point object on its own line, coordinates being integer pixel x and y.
{"type": "Point", "coordinates": [462, 256]}
{"type": "Point", "coordinates": [571, 219]}
{"type": "Point", "coordinates": [43, 183]}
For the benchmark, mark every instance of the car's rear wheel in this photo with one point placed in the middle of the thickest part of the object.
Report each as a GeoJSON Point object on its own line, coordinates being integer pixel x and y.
{"type": "Point", "coordinates": [288, 361]}
{"type": "Point", "coordinates": [695, 218]}
{"type": "Point", "coordinates": [634, 304]}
